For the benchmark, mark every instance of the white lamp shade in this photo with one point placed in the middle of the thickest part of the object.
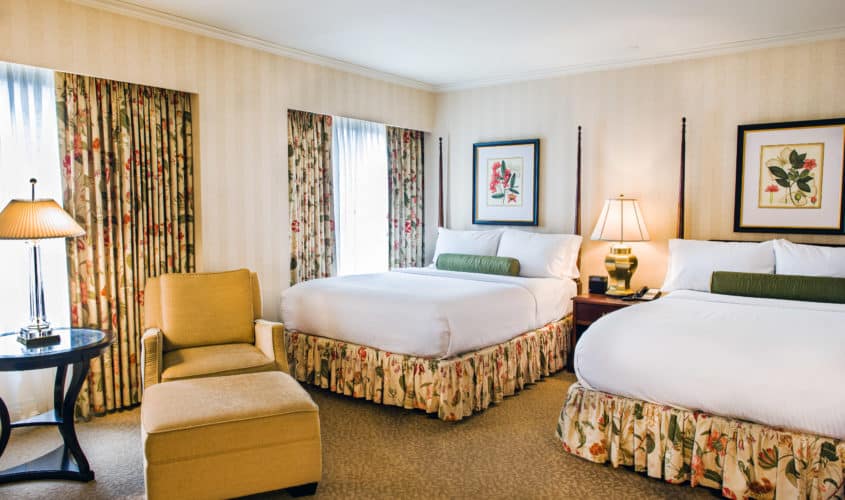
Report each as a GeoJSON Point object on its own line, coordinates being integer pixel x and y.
{"type": "Point", "coordinates": [620, 220]}
{"type": "Point", "coordinates": [36, 220]}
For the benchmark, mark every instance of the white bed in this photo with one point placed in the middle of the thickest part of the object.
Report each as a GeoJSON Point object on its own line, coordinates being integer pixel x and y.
{"type": "Point", "coordinates": [426, 312]}
{"type": "Point", "coordinates": [775, 362]}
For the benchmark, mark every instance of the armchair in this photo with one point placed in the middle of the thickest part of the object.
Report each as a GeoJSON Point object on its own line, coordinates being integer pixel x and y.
{"type": "Point", "coordinates": [205, 324]}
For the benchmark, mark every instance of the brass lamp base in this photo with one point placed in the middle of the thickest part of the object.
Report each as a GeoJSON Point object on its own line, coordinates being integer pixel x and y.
{"type": "Point", "coordinates": [621, 265]}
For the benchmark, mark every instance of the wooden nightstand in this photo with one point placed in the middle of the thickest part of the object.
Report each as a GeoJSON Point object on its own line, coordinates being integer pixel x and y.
{"type": "Point", "coordinates": [588, 308]}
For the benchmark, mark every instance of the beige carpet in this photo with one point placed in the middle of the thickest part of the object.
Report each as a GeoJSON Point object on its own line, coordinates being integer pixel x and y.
{"type": "Point", "coordinates": [372, 451]}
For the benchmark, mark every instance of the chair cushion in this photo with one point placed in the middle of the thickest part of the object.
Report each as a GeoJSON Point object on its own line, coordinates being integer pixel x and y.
{"type": "Point", "coordinates": [206, 309]}
{"type": "Point", "coordinates": [213, 360]}
{"type": "Point", "coordinates": [187, 419]}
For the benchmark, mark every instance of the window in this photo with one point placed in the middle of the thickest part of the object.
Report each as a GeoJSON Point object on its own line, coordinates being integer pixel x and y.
{"type": "Point", "coordinates": [359, 163]}
{"type": "Point", "coordinates": [29, 148]}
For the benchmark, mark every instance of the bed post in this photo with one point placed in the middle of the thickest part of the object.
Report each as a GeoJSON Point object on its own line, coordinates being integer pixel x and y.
{"type": "Point", "coordinates": [440, 186]}
{"type": "Point", "coordinates": [681, 187]}
{"type": "Point", "coordinates": [578, 205]}
{"type": "Point", "coordinates": [578, 188]}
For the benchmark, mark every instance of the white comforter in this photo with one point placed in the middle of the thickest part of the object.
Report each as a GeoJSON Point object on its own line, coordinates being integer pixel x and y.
{"type": "Point", "coordinates": [425, 312]}
{"type": "Point", "coordinates": [776, 362]}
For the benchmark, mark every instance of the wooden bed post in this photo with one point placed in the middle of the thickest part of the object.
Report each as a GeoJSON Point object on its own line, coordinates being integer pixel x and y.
{"type": "Point", "coordinates": [578, 208]}
{"type": "Point", "coordinates": [681, 187]}
{"type": "Point", "coordinates": [440, 186]}
{"type": "Point", "coordinates": [578, 189]}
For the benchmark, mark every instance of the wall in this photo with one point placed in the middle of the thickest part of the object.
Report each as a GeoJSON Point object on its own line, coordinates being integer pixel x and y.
{"type": "Point", "coordinates": [632, 122]}
{"type": "Point", "coordinates": [242, 97]}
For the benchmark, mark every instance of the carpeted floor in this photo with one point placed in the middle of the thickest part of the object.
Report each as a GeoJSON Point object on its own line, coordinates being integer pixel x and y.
{"type": "Point", "coordinates": [373, 451]}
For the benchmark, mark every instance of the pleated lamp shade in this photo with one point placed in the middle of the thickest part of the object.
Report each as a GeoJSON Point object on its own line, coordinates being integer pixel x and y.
{"type": "Point", "coordinates": [621, 220]}
{"type": "Point", "coordinates": [36, 220]}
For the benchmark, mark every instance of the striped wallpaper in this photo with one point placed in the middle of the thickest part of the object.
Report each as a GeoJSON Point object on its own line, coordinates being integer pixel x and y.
{"type": "Point", "coordinates": [242, 101]}
{"type": "Point", "coordinates": [632, 126]}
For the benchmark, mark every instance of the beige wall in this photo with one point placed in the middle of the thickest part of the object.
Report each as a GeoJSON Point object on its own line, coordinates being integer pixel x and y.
{"type": "Point", "coordinates": [243, 95]}
{"type": "Point", "coordinates": [631, 121]}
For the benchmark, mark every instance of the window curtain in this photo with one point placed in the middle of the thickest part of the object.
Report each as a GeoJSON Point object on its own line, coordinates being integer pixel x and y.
{"type": "Point", "coordinates": [405, 164]}
{"type": "Point", "coordinates": [127, 174]}
{"type": "Point", "coordinates": [359, 164]}
{"type": "Point", "coordinates": [312, 245]}
{"type": "Point", "coordinates": [28, 148]}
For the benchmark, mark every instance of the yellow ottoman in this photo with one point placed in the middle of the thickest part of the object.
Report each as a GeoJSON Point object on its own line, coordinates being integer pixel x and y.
{"type": "Point", "coordinates": [224, 437]}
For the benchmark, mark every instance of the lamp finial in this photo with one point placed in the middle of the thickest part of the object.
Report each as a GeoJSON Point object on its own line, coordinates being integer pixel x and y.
{"type": "Point", "coordinates": [33, 181]}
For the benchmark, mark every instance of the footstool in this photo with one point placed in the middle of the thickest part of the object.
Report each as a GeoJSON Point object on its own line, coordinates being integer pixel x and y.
{"type": "Point", "coordinates": [230, 436]}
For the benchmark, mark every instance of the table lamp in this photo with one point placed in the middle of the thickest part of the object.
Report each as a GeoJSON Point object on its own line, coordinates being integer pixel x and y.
{"type": "Point", "coordinates": [620, 221]}
{"type": "Point", "coordinates": [34, 220]}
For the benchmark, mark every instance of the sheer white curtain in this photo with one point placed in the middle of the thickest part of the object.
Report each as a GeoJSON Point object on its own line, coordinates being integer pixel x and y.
{"type": "Point", "coordinates": [359, 160]}
{"type": "Point", "coordinates": [29, 148]}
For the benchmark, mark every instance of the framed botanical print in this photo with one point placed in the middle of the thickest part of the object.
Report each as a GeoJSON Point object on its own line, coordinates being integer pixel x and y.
{"type": "Point", "coordinates": [789, 177]}
{"type": "Point", "coordinates": [506, 182]}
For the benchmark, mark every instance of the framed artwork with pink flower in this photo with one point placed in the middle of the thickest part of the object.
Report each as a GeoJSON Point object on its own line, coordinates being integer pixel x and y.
{"type": "Point", "coordinates": [506, 176]}
{"type": "Point", "coordinates": [789, 177]}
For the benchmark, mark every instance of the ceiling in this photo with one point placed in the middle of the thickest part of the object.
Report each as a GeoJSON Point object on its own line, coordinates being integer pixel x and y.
{"type": "Point", "coordinates": [442, 45]}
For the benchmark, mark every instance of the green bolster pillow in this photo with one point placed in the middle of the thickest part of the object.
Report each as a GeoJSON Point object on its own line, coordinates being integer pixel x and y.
{"type": "Point", "coordinates": [780, 286]}
{"type": "Point", "coordinates": [486, 264]}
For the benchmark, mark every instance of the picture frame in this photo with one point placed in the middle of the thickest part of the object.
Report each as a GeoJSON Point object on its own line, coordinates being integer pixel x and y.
{"type": "Point", "coordinates": [790, 177]}
{"type": "Point", "coordinates": [506, 182]}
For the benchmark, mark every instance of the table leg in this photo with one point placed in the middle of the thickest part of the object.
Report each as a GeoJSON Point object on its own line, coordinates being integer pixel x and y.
{"type": "Point", "coordinates": [66, 427]}
{"type": "Point", "coordinates": [6, 424]}
{"type": "Point", "coordinates": [59, 390]}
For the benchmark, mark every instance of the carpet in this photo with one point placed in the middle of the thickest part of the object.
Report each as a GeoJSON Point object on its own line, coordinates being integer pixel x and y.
{"type": "Point", "coordinates": [374, 451]}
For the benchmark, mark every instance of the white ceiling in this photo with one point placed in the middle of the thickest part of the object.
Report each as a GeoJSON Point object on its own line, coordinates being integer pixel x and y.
{"type": "Point", "coordinates": [441, 44]}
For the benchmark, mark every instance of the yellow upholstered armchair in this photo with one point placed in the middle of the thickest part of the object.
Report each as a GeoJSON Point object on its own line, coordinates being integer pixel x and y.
{"type": "Point", "coordinates": [205, 324]}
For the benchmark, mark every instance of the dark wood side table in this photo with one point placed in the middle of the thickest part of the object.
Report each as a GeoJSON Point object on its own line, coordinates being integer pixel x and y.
{"type": "Point", "coordinates": [586, 309]}
{"type": "Point", "coordinates": [77, 348]}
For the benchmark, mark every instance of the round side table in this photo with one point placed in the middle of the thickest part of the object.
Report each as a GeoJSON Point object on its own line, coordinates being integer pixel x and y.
{"type": "Point", "coordinates": [77, 348]}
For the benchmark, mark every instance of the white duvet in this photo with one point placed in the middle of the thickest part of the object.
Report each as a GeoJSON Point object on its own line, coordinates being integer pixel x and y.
{"type": "Point", "coordinates": [776, 362]}
{"type": "Point", "coordinates": [424, 311]}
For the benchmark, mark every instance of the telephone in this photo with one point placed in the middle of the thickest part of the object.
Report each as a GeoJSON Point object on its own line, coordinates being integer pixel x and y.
{"type": "Point", "coordinates": [644, 294]}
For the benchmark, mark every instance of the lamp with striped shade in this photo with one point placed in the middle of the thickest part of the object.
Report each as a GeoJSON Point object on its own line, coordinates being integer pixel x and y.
{"type": "Point", "coordinates": [34, 220]}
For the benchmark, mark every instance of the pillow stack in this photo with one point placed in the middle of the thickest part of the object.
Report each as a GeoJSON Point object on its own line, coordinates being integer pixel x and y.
{"type": "Point", "coordinates": [729, 267]}
{"type": "Point", "coordinates": [534, 255]}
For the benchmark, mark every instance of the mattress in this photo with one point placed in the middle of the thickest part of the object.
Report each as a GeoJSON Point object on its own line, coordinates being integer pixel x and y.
{"type": "Point", "coordinates": [424, 311]}
{"type": "Point", "coordinates": [775, 362]}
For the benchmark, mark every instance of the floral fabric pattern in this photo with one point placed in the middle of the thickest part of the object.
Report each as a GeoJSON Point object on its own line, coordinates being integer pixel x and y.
{"type": "Point", "coordinates": [312, 244]}
{"type": "Point", "coordinates": [453, 388]}
{"type": "Point", "coordinates": [741, 459]}
{"type": "Point", "coordinates": [405, 164]}
{"type": "Point", "coordinates": [127, 177]}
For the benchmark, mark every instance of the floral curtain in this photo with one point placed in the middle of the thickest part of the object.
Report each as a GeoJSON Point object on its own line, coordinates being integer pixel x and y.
{"type": "Point", "coordinates": [312, 245]}
{"type": "Point", "coordinates": [128, 180]}
{"type": "Point", "coordinates": [741, 459]}
{"type": "Point", "coordinates": [405, 167]}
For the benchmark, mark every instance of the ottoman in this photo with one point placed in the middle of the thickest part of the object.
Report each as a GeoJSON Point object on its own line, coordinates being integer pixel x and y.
{"type": "Point", "coordinates": [224, 437]}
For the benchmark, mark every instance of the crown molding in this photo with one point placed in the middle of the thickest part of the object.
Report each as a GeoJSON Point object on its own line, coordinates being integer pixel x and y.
{"type": "Point", "coordinates": [155, 16]}
{"type": "Point", "coordinates": [181, 23]}
{"type": "Point", "coordinates": [695, 53]}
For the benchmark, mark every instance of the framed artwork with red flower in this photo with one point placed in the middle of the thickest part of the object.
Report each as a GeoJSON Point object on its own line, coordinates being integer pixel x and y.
{"type": "Point", "coordinates": [789, 177]}
{"type": "Point", "coordinates": [506, 176]}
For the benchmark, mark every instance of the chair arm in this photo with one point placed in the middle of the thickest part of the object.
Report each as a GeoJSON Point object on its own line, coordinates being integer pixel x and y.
{"type": "Point", "coordinates": [151, 352]}
{"type": "Point", "coordinates": [270, 339]}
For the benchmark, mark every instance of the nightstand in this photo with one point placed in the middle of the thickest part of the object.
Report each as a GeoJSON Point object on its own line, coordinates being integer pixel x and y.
{"type": "Point", "coordinates": [588, 308]}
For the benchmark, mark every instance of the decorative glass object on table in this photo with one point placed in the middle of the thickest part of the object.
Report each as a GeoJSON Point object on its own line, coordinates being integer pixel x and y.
{"type": "Point", "coordinates": [33, 220]}
{"type": "Point", "coordinates": [620, 221]}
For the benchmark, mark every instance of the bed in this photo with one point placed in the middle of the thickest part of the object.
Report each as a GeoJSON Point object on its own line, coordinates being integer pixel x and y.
{"type": "Point", "coordinates": [736, 393]}
{"type": "Point", "coordinates": [445, 342]}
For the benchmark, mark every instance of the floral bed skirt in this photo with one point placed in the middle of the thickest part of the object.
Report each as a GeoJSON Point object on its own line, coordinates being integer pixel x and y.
{"type": "Point", "coordinates": [453, 388]}
{"type": "Point", "coordinates": [742, 459]}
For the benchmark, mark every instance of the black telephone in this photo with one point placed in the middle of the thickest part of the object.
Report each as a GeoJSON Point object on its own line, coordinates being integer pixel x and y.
{"type": "Point", "coordinates": [645, 293]}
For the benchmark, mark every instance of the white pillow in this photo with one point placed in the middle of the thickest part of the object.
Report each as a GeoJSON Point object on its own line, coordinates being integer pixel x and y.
{"type": "Point", "coordinates": [692, 262]}
{"type": "Point", "coordinates": [809, 260]}
{"type": "Point", "coordinates": [467, 242]}
{"type": "Point", "coordinates": [542, 255]}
